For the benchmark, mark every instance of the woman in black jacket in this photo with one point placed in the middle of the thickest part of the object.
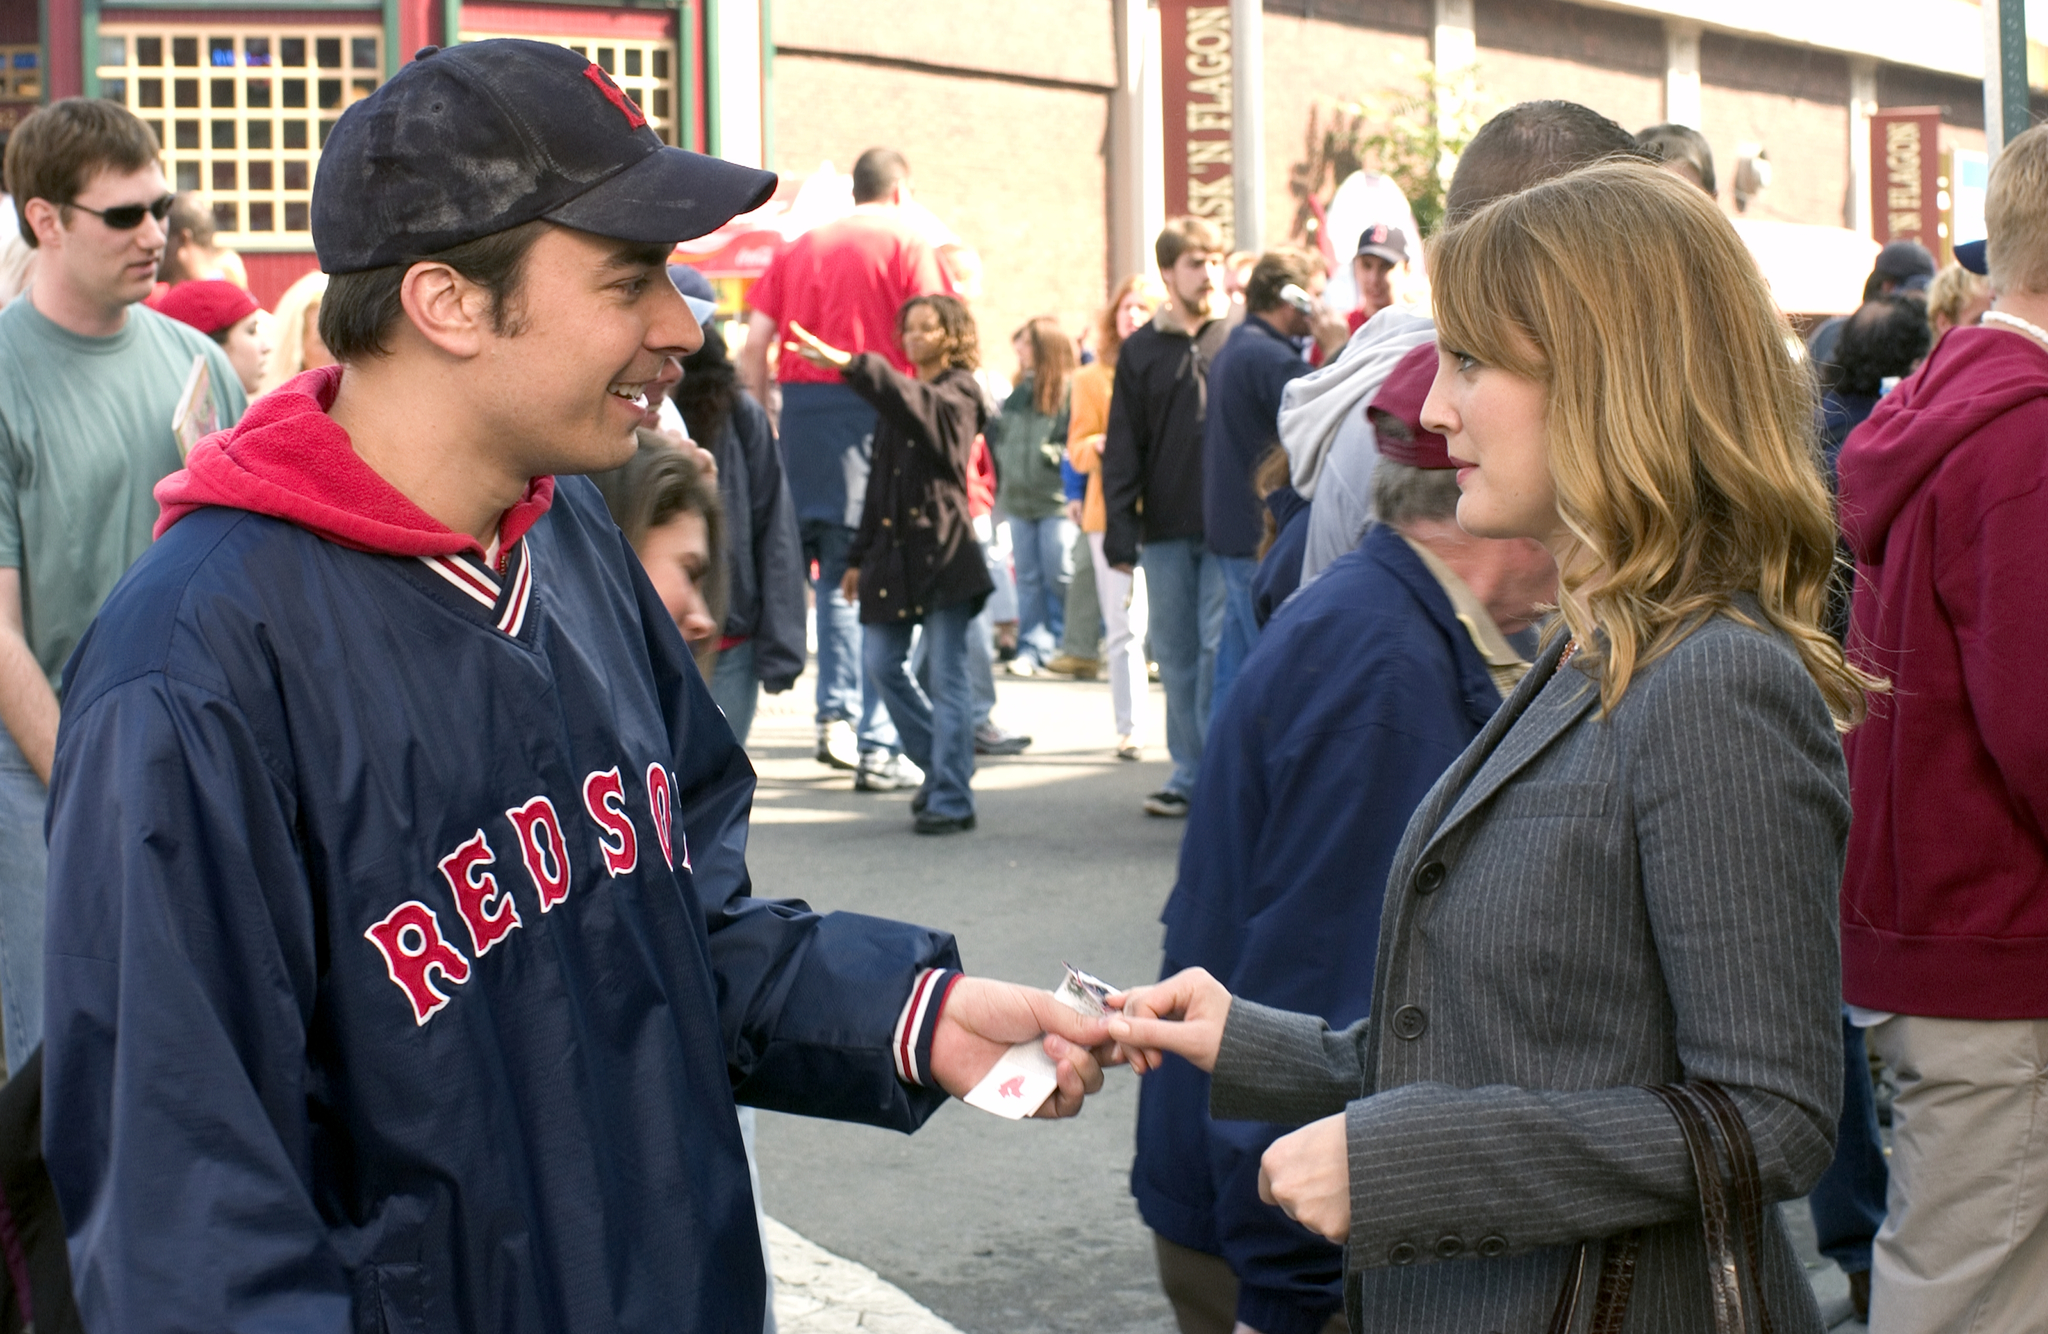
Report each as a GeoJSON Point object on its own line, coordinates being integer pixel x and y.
{"type": "Point", "coordinates": [915, 560]}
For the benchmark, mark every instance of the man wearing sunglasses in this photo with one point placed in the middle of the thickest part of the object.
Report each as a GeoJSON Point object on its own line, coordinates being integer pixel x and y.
{"type": "Point", "coordinates": [89, 383]}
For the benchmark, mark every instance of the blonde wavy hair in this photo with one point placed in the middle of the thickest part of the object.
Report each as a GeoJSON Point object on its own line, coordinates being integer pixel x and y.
{"type": "Point", "coordinates": [288, 348]}
{"type": "Point", "coordinates": [1680, 427]}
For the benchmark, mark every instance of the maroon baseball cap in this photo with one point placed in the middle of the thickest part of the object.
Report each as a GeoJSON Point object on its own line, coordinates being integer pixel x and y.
{"type": "Point", "coordinates": [1401, 398]}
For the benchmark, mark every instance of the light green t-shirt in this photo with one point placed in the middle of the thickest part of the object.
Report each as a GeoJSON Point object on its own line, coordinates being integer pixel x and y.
{"type": "Point", "coordinates": [85, 436]}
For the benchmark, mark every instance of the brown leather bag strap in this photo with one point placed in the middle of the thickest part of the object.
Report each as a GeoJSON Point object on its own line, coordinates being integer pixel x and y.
{"type": "Point", "coordinates": [1724, 1272]}
{"type": "Point", "coordinates": [1749, 1197]}
{"type": "Point", "coordinates": [1610, 1298]}
{"type": "Point", "coordinates": [1566, 1313]}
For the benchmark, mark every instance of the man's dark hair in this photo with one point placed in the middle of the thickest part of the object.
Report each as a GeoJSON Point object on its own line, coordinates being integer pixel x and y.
{"type": "Point", "coordinates": [56, 152]}
{"type": "Point", "coordinates": [963, 342]}
{"type": "Point", "coordinates": [877, 173]}
{"type": "Point", "coordinates": [1886, 336]}
{"type": "Point", "coordinates": [1183, 234]}
{"type": "Point", "coordinates": [361, 309]}
{"type": "Point", "coordinates": [1276, 269]}
{"type": "Point", "coordinates": [1529, 143]}
{"type": "Point", "coordinates": [1684, 145]}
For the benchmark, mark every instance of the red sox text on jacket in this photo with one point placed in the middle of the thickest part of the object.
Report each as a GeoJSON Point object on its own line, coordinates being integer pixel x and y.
{"type": "Point", "coordinates": [410, 938]}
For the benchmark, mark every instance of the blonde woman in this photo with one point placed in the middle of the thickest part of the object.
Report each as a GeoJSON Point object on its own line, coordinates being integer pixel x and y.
{"type": "Point", "coordinates": [296, 333]}
{"type": "Point", "coordinates": [1957, 298]}
{"type": "Point", "coordinates": [1122, 596]}
{"type": "Point", "coordinates": [1629, 879]}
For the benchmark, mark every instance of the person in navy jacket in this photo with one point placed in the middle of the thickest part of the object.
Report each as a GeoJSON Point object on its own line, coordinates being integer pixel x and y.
{"type": "Point", "coordinates": [1359, 694]}
{"type": "Point", "coordinates": [403, 965]}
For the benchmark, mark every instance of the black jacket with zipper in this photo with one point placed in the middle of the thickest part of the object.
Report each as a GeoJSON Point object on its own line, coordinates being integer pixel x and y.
{"type": "Point", "coordinates": [1152, 458]}
{"type": "Point", "coordinates": [915, 548]}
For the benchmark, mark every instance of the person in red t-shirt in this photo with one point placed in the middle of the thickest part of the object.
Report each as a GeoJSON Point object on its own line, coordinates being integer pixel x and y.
{"type": "Point", "coordinates": [844, 282]}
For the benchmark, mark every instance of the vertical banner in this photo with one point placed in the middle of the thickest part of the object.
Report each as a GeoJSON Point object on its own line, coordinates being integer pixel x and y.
{"type": "Point", "coordinates": [1905, 164]}
{"type": "Point", "coordinates": [1196, 62]}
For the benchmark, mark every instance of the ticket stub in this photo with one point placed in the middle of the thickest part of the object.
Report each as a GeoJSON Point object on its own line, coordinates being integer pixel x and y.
{"type": "Point", "coordinates": [1024, 1076]}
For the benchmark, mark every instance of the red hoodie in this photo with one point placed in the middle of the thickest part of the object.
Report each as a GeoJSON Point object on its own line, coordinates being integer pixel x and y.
{"type": "Point", "coordinates": [1945, 506]}
{"type": "Point", "coordinates": [287, 459]}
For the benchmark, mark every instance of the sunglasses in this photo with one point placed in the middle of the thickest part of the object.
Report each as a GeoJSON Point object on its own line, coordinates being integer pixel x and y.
{"type": "Point", "coordinates": [127, 217]}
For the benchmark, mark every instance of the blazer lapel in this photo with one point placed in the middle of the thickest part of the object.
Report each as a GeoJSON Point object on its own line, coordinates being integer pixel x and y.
{"type": "Point", "coordinates": [1530, 720]}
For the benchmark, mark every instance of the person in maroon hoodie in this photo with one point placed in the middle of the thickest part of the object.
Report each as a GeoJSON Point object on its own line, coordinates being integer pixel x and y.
{"type": "Point", "coordinates": [1944, 501]}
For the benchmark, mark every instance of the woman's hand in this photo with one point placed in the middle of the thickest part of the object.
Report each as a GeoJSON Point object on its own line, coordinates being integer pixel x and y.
{"type": "Point", "coordinates": [815, 349]}
{"type": "Point", "coordinates": [1074, 512]}
{"type": "Point", "coordinates": [1183, 1015]}
{"type": "Point", "coordinates": [1308, 1174]}
{"type": "Point", "coordinates": [849, 584]}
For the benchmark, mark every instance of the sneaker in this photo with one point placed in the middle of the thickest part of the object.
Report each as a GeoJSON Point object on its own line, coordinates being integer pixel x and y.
{"type": "Point", "coordinates": [1173, 805]}
{"type": "Point", "coordinates": [880, 771]}
{"type": "Point", "coordinates": [1081, 669]}
{"type": "Point", "coordinates": [928, 823]}
{"type": "Point", "coordinates": [1021, 665]}
{"type": "Point", "coordinates": [835, 744]}
{"type": "Point", "coordinates": [992, 740]}
{"type": "Point", "coordinates": [1127, 749]}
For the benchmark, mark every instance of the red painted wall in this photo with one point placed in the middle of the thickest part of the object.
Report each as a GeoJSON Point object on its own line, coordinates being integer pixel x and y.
{"type": "Point", "coordinates": [292, 18]}
{"type": "Point", "coordinates": [65, 74]}
{"type": "Point", "coordinates": [18, 24]}
{"type": "Point", "coordinates": [270, 273]}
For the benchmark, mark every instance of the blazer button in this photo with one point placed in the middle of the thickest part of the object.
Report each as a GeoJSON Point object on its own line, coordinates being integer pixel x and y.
{"type": "Point", "coordinates": [1450, 1246]}
{"type": "Point", "coordinates": [1402, 1253]}
{"type": "Point", "coordinates": [1492, 1246]}
{"type": "Point", "coordinates": [1409, 1021]}
{"type": "Point", "coordinates": [1429, 878]}
{"type": "Point", "coordinates": [885, 523]}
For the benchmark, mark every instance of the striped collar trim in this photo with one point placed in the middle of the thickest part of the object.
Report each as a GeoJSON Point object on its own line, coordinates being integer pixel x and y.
{"type": "Point", "coordinates": [506, 596]}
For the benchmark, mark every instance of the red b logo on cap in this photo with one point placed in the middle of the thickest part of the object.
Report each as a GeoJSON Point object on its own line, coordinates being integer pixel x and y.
{"type": "Point", "coordinates": [612, 95]}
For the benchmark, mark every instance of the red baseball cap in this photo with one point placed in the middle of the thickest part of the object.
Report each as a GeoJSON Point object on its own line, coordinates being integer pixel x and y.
{"type": "Point", "coordinates": [1401, 398]}
{"type": "Point", "coordinates": [208, 305]}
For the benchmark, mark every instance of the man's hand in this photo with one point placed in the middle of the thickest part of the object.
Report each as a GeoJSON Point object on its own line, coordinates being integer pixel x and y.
{"type": "Point", "coordinates": [1183, 1015]}
{"type": "Point", "coordinates": [849, 588]}
{"type": "Point", "coordinates": [28, 707]}
{"type": "Point", "coordinates": [1308, 1174]}
{"type": "Point", "coordinates": [1074, 512]}
{"type": "Point", "coordinates": [983, 1019]}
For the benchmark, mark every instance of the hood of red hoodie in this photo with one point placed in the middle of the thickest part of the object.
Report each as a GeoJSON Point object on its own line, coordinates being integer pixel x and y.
{"type": "Point", "coordinates": [1974, 376]}
{"type": "Point", "coordinates": [287, 459]}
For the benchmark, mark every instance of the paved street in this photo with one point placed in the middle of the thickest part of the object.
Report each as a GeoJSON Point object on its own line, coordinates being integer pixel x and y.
{"type": "Point", "coordinates": [995, 1227]}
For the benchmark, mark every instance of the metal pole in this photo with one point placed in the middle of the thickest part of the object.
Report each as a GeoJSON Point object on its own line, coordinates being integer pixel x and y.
{"type": "Point", "coordinates": [451, 22]}
{"type": "Point", "coordinates": [2007, 107]}
{"type": "Point", "coordinates": [1248, 124]}
{"type": "Point", "coordinates": [88, 50]}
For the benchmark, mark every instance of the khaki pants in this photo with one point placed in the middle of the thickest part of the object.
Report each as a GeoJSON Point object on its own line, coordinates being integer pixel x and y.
{"type": "Point", "coordinates": [1964, 1247]}
{"type": "Point", "coordinates": [1203, 1291]}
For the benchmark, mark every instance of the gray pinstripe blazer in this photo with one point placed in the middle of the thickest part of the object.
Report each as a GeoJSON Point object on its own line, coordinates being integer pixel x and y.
{"type": "Point", "coordinates": [1581, 907]}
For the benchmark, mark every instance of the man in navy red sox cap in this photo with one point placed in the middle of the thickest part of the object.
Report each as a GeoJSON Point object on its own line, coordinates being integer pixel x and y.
{"type": "Point", "coordinates": [403, 967]}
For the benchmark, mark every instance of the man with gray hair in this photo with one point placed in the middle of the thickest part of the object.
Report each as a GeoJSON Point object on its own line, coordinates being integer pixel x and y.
{"type": "Point", "coordinates": [1359, 693]}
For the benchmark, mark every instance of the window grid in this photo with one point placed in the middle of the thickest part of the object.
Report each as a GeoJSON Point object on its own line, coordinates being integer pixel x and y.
{"type": "Point", "coordinates": [242, 113]}
{"type": "Point", "coordinates": [645, 71]}
{"type": "Point", "coordinates": [21, 73]}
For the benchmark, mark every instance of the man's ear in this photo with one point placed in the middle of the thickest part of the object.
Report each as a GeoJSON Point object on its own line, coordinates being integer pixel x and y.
{"type": "Point", "coordinates": [448, 310]}
{"type": "Point", "coordinates": [47, 221]}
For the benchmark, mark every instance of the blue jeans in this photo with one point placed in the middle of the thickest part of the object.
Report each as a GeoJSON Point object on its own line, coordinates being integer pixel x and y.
{"type": "Point", "coordinates": [24, 877]}
{"type": "Point", "coordinates": [937, 729]}
{"type": "Point", "coordinates": [735, 690]}
{"type": "Point", "coordinates": [841, 692]}
{"type": "Point", "coordinates": [1044, 552]}
{"type": "Point", "coordinates": [1184, 587]}
{"type": "Point", "coordinates": [1240, 627]}
{"type": "Point", "coordinates": [1848, 1200]}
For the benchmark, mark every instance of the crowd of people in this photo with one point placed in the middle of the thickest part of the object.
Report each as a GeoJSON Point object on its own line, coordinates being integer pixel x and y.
{"type": "Point", "coordinates": [1603, 720]}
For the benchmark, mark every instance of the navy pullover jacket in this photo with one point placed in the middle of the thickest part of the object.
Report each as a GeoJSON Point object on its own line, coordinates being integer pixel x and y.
{"type": "Point", "coordinates": [1242, 423]}
{"type": "Point", "coordinates": [1359, 694]}
{"type": "Point", "coordinates": [402, 965]}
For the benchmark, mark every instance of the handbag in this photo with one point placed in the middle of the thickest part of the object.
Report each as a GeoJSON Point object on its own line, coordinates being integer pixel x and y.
{"type": "Point", "coordinates": [1707, 1117]}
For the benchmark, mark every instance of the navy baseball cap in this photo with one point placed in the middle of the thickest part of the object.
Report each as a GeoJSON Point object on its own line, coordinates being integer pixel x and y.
{"type": "Point", "coordinates": [1970, 254]}
{"type": "Point", "coordinates": [482, 137]}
